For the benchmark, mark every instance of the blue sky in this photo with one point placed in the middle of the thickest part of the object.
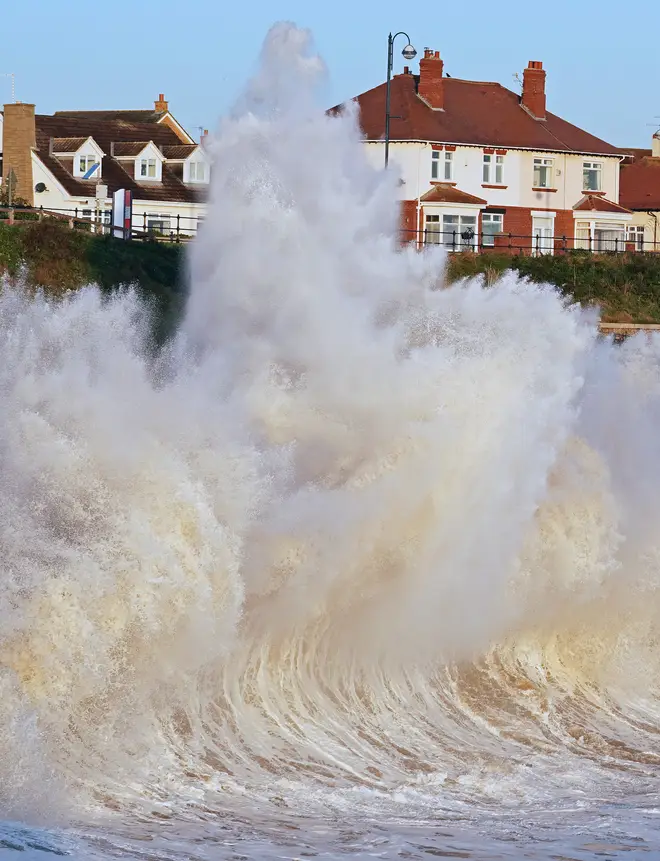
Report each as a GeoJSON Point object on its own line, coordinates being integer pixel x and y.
{"type": "Point", "coordinates": [601, 57]}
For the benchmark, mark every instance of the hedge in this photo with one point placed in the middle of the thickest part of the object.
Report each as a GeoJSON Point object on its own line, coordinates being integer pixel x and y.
{"type": "Point", "coordinates": [55, 258]}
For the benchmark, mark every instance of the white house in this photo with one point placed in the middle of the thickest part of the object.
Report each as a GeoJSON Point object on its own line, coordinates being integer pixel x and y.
{"type": "Point", "coordinates": [72, 162]}
{"type": "Point", "coordinates": [477, 160]}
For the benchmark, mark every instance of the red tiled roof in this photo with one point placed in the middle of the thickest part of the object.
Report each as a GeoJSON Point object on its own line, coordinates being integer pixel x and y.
{"type": "Point", "coordinates": [107, 132]}
{"type": "Point", "coordinates": [639, 184]}
{"type": "Point", "coordinates": [128, 148]}
{"type": "Point", "coordinates": [126, 116]}
{"type": "Point", "coordinates": [596, 203]}
{"type": "Point", "coordinates": [444, 193]}
{"type": "Point", "coordinates": [481, 114]}
{"type": "Point", "coordinates": [633, 154]}
{"type": "Point", "coordinates": [67, 144]}
{"type": "Point", "coordinates": [179, 151]}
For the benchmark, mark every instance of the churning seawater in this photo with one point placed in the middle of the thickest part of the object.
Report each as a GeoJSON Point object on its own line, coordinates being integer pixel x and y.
{"type": "Point", "coordinates": [355, 565]}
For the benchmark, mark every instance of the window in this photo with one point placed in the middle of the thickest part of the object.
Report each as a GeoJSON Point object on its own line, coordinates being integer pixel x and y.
{"type": "Point", "coordinates": [600, 236]}
{"type": "Point", "coordinates": [197, 171]}
{"type": "Point", "coordinates": [87, 163]}
{"type": "Point", "coordinates": [543, 177]}
{"type": "Point", "coordinates": [158, 223]}
{"type": "Point", "coordinates": [591, 175]}
{"type": "Point", "coordinates": [609, 237]}
{"type": "Point", "coordinates": [442, 165]}
{"type": "Point", "coordinates": [491, 223]}
{"type": "Point", "coordinates": [148, 168]}
{"type": "Point", "coordinates": [454, 231]}
{"type": "Point", "coordinates": [493, 171]}
{"type": "Point", "coordinates": [635, 236]}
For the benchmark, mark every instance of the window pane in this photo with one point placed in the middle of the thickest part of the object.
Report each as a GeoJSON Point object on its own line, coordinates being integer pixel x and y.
{"type": "Point", "coordinates": [491, 224]}
{"type": "Point", "coordinates": [591, 176]}
{"type": "Point", "coordinates": [435, 158]}
{"type": "Point", "coordinates": [499, 169]}
{"type": "Point", "coordinates": [448, 165]}
{"type": "Point", "coordinates": [143, 168]}
{"type": "Point", "coordinates": [433, 229]}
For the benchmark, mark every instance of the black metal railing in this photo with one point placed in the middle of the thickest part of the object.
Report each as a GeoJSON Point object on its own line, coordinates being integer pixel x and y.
{"type": "Point", "coordinates": [456, 241]}
{"type": "Point", "coordinates": [153, 226]}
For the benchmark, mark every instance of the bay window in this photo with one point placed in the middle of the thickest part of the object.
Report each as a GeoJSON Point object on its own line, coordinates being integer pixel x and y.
{"type": "Point", "coordinates": [455, 232]}
{"type": "Point", "coordinates": [600, 236]}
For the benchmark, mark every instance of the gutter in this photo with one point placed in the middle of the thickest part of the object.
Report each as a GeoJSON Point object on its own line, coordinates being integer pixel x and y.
{"type": "Point", "coordinates": [510, 147]}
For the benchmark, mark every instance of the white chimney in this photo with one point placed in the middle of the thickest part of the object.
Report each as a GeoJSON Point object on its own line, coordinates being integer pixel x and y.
{"type": "Point", "coordinates": [656, 145]}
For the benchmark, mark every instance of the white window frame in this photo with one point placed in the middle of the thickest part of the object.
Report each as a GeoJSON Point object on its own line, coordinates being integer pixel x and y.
{"type": "Point", "coordinates": [545, 168]}
{"type": "Point", "coordinates": [591, 243]}
{"type": "Point", "coordinates": [488, 239]}
{"type": "Point", "coordinates": [492, 172]}
{"type": "Point", "coordinates": [635, 233]}
{"type": "Point", "coordinates": [88, 159]}
{"type": "Point", "coordinates": [194, 168]}
{"type": "Point", "coordinates": [164, 222]}
{"type": "Point", "coordinates": [595, 167]}
{"type": "Point", "coordinates": [447, 163]}
{"type": "Point", "coordinates": [143, 168]}
{"type": "Point", "coordinates": [441, 236]}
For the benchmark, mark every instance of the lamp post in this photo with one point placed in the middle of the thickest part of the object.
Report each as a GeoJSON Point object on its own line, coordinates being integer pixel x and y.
{"type": "Point", "coordinates": [409, 53]}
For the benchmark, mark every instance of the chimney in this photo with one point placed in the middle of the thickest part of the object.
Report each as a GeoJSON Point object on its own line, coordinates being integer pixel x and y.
{"type": "Point", "coordinates": [431, 84]}
{"type": "Point", "coordinates": [19, 141]}
{"type": "Point", "coordinates": [533, 93]}
{"type": "Point", "coordinates": [161, 106]}
{"type": "Point", "coordinates": [655, 152]}
{"type": "Point", "coordinates": [204, 137]}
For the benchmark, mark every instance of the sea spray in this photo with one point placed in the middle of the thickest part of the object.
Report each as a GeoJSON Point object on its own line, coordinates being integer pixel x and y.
{"type": "Point", "coordinates": [351, 528]}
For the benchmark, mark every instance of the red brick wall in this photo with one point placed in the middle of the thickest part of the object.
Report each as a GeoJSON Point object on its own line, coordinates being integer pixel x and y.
{"type": "Point", "coordinates": [518, 223]}
{"type": "Point", "coordinates": [409, 221]}
{"type": "Point", "coordinates": [431, 87]}
{"type": "Point", "coordinates": [533, 94]}
{"type": "Point", "coordinates": [19, 139]}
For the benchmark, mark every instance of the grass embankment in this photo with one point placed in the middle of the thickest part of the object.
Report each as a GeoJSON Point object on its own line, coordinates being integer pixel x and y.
{"type": "Point", "coordinates": [49, 255]}
{"type": "Point", "coordinates": [625, 286]}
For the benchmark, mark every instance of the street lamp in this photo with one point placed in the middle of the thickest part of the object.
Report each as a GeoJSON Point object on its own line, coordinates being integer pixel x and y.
{"type": "Point", "coordinates": [409, 53]}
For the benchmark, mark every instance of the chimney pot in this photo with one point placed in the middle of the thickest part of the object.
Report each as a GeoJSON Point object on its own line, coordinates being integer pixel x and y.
{"type": "Point", "coordinates": [533, 93]}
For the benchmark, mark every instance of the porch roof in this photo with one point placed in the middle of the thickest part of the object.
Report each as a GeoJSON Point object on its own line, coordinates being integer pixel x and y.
{"type": "Point", "coordinates": [443, 192]}
{"type": "Point", "coordinates": [597, 203]}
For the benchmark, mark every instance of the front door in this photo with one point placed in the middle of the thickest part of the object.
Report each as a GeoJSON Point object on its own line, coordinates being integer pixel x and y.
{"type": "Point", "coordinates": [542, 235]}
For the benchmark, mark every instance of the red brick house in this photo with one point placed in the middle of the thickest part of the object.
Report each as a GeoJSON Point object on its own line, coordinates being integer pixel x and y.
{"type": "Point", "coordinates": [477, 159]}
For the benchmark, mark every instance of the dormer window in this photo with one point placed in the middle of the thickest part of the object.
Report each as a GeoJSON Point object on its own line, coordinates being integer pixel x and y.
{"type": "Point", "coordinates": [80, 156]}
{"type": "Point", "coordinates": [148, 168]}
{"type": "Point", "coordinates": [197, 171]}
{"type": "Point", "coordinates": [148, 160]}
{"type": "Point", "coordinates": [88, 166]}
